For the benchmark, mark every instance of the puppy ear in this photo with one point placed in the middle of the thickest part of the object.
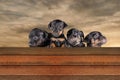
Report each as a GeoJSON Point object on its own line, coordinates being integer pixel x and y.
{"type": "Point", "coordinates": [82, 36]}
{"type": "Point", "coordinates": [69, 33]}
{"type": "Point", "coordinates": [64, 25]}
{"type": "Point", "coordinates": [50, 26]}
{"type": "Point", "coordinates": [45, 35]}
{"type": "Point", "coordinates": [88, 38]}
{"type": "Point", "coordinates": [31, 33]}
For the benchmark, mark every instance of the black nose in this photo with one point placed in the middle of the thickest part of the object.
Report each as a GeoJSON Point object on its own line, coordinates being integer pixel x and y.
{"type": "Point", "coordinates": [74, 35]}
{"type": "Point", "coordinates": [56, 31]}
{"type": "Point", "coordinates": [58, 43]}
{"type": "Point", "coordinates": [30, 44]}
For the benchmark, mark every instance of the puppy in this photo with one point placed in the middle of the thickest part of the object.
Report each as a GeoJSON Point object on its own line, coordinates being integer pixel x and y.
{"type": "Point", "coordinates": [38, 38]}
{"type": "Point", "coordinates": [57, 33]}
{"type": "Point", "coordinates": [95, 39]}
{"type": "Point", "coordinates": [75, 38]}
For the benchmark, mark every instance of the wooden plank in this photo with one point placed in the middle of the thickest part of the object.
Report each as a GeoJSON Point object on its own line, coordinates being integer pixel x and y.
{"type": "Point", "coordinates": [60, 60]}
{"type": "Point", "coordinates": [59, 70]}
{"type": "Point", "coordinates": [61, 77]}
{"type": "Point", "coordinates": [59, 51]}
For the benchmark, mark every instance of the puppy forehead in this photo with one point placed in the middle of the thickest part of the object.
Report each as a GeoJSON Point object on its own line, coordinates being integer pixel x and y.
{"type": "Point", "coordinates": [57, 21]}
{"type": "Point", "coordinates": [37, 33]}
{"type": "Point", "coordinates": [77, 32]}
{"type": "Point", "coordinates": [71, 32]}
{"type": "Point", "coordinates": [96, 33]}
{"type": "Point", "coordinates": [58, 25]}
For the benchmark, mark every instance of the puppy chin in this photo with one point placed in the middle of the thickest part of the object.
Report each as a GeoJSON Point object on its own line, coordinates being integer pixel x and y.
{"type": "Point", "coordinates": [56, 34]}
{"type": "Point", "coordinates": [74, 43]}
{"type": "Point", "coordinates": [32, 45]}
{"type": "Point", "coordinates": [104, 41]}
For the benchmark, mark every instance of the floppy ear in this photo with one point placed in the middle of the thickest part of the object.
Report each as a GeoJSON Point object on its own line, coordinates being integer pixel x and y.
{"type": "Point", "coordinates": [50, 26]}
{"type": "Point", "coordinates": [65, 25]}
{"type": "Point", "coordinates": [69, 33]}
{"type": "Point", "coordinates": [32, 32]}
{"type": "Point", "coordinates": [45, 34]}
{"type": "Point", "coordinates": [88, 38]}
{"type": "Point", "coordinates": [82, 35]}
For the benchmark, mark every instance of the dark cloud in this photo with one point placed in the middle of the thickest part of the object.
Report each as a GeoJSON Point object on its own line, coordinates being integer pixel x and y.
{"type": "Point", "coordinates": [96, 7]}
{"type": "Point", "coordinates": [8, 15]}
{"type": "Point", "coordinates": [16, 9]}
{"type": "Point", "coordinates": [32, 3]}
{"type": "Point", "coordinates": [50, 4]}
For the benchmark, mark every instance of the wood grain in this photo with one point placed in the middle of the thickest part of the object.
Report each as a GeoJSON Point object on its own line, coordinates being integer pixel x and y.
{"type": "Point", "coordinates": [59, 61]}
{"type": "Point", "coordinates": [62, 77]}
{"type": "Point", "coordinates": [59, 51]}
{"type": "Point", "coordinates": [59, 70]}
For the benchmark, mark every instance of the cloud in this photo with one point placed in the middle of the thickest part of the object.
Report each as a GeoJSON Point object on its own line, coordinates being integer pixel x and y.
{"type": "Point", "coordinates": [96, 7]}
{"type": "Point", "coordinates": [23, 29]}
{"type": "Point", "coordinates": [19, 17]}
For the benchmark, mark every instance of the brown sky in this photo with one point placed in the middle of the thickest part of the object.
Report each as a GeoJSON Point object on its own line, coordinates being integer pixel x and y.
{"type": "Point", "coordinates": [18, 17]}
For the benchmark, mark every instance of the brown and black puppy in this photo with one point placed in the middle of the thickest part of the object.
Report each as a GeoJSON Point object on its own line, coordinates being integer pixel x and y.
{"type": "Point", "coordinates": [38, 38]}
{"type": "Point", "coordinates": [75, 38]}
{"type": "Point", "coordinates": [95, 39]}
{"type": "Point", "coordinates": [57, 33]}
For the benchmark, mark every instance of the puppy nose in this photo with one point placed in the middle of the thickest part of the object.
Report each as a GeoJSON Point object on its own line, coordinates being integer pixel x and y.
{"type": "Point", "coordinates": [30, 44]}
{"type": "Point", "coordinates": [104, 41]}
{"type": "Point", "coordinates": [74, 35]}
{"type": "Point", "coordinates": [55, 31]}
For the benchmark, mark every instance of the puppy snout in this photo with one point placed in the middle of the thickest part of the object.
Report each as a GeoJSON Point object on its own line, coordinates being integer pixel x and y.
{"type": "Point", "coordinates": [74, 35]}
{"type": "Point", "coordinates": [32, 44]}
{"type": "Point", "coordinates": [55, 30]}
{"type": "Point", "coordinates": [74, 43]}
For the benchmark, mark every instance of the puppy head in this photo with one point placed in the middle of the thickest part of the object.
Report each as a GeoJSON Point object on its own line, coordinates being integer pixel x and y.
{"type": "Point", "coordinates": [57, 26]}
{"type": "Point", "coordinates": [37, 37]}
{"type": "Point", "coordinates": [95, 39]}
{"type": "Point", "coordinates": [99, 42]}
{"type": "Point", "coordinates": [75, 36]}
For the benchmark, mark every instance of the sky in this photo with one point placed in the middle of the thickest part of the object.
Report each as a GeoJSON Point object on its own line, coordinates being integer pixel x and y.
{"type": "Point", "coordinates": [19, 17]}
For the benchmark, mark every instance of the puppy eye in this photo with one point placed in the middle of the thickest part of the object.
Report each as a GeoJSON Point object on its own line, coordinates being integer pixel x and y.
{"type": "Point", "coordinates": [96, 35]}
{"type": "Point", "coordinates": [61, 27]}
{"type": "Point", "coordinates": [41, 33]}
{"type": "Point", "coordinates": [35, 38]}
{"type": "Point", "coordinates": [51, 27]}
